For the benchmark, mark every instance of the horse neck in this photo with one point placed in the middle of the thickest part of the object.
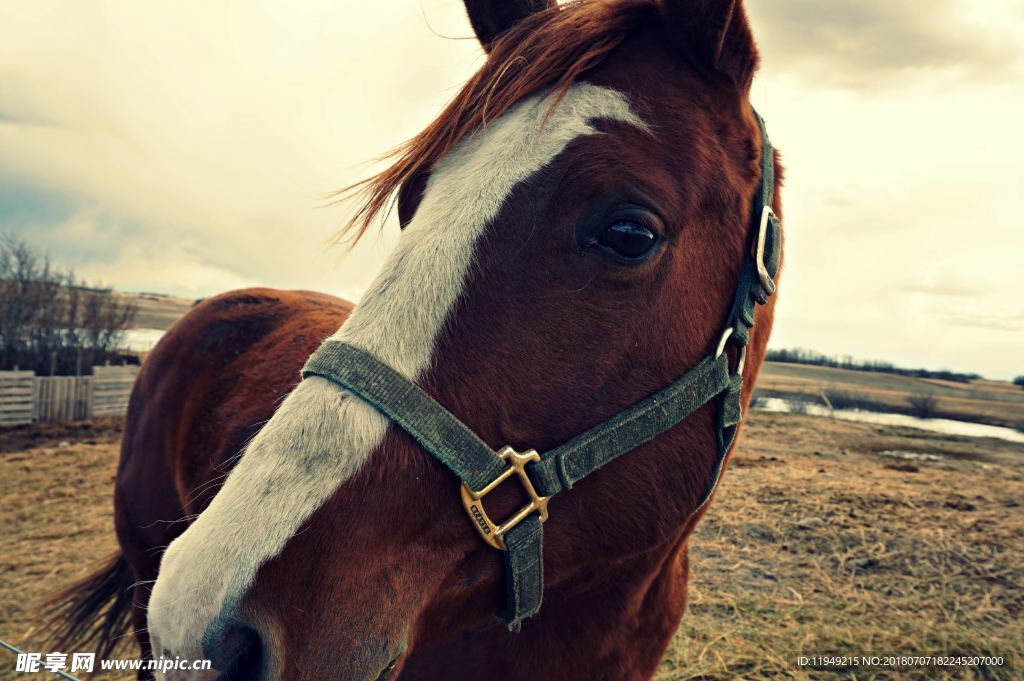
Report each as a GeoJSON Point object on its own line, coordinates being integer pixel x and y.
{"type": "Point", "coordinates": [611, 622]}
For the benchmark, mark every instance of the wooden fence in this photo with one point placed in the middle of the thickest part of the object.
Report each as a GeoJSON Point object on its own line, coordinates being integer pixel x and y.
{"type": "Point", "coordinates": [17, 397]}
{"type": "Point", "coordinates": [25, 397]}
{"type": "Point", "coordinates": [111, 387]}
{"type": "Point", "coordinates": [62, 398]}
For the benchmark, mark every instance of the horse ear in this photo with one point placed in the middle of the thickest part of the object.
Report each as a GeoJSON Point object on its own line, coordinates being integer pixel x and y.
{"type": "Point", "coordinates": [409, 196]}
{"type": "Point", "coordinates": [716, 35]}
{"type": "Point", "coordinates": [491, 18]}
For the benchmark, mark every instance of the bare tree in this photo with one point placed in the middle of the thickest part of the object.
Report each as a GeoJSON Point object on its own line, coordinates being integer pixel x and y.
{"type": "Point", "coordinates": [50, 321]}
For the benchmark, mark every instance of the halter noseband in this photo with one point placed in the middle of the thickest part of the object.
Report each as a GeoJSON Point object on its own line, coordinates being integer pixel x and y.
{"type": "Point", "coordinates": [481, 469]}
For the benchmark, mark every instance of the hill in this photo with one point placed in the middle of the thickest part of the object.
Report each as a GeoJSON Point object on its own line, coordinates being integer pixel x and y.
{"type": "Point", "coordinates": [156, 310]}
{"type": "Point", "coordinates": [998, 403]}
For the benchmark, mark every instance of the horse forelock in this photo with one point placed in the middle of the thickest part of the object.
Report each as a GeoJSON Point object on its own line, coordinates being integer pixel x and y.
{"type": "Point", "coordinates": [551, 48]}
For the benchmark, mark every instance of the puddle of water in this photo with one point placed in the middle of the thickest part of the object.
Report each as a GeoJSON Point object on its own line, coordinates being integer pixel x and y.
{"type": "Point", "coordinates": [945, 426]}
{"type": "Point", "coordinates": [911, 456]}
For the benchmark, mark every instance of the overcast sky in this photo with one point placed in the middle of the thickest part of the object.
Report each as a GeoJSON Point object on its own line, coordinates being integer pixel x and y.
{"type": "Point", "coordinates": [186, 148]}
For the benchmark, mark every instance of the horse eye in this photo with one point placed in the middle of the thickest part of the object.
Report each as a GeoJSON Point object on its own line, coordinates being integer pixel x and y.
{"type": "Point", "coordinates": [629, 240]}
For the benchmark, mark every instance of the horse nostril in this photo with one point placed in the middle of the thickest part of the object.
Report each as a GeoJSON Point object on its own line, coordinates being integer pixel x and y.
{"type": "Point", "coordinates": [235, 649]}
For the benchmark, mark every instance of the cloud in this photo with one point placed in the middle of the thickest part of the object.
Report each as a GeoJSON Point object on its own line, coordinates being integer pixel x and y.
{"type": "Point", "coordinates": [944, 286]}
{"type": "Point", "coordinates": [211, 133]}
{"type": "Point", "coordinates": [863, 43]}
{"type": "Point", "coordinates": [990, 322]}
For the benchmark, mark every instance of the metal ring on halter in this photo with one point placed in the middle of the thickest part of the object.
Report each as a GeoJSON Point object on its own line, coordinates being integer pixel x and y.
{"type": "Point", "coordinates": [724, 341]}
{"type": "Point", "coordinates": [726, 335]}
{"type": "Point", "coordinates": [767, 283]}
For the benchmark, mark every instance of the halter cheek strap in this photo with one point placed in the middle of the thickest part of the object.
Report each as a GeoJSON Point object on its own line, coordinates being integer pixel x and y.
{"type": "Point", "coordinates": [481, 469]}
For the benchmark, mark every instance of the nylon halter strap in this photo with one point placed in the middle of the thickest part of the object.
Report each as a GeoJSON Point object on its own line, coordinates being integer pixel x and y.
{"type": "Point", "coordinates": [481, 469]}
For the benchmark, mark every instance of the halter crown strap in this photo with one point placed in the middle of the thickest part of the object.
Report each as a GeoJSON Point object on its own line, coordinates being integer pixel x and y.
{"type": "Point", "coordinates": [481, 468]}
{"type": "Point", "coordinates": [761, 264]}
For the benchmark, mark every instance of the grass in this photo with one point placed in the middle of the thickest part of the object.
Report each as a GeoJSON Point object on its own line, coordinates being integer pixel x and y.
{"type": "Point", "coordinates": [56, 483]}
{"type": "Point", "coordinates": [819, 548]}
{"type": "Point", "coordinates": [816, 544]}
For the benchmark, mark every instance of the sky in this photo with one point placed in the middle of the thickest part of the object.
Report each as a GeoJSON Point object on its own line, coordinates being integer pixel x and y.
{"type": "Point", "coordinates": [188, 148]}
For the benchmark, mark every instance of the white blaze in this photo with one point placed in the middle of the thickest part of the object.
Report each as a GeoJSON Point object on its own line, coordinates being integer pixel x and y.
{"type": "Point", "coordinates": [321, 436]}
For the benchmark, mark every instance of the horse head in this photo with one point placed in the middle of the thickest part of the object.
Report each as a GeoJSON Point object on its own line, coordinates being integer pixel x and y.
{"type": "Point", "coordinates": [574, 225]}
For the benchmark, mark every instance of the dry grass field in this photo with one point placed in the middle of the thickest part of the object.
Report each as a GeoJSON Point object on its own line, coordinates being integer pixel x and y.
{"type": "Point", "coordinates": [822, 541]}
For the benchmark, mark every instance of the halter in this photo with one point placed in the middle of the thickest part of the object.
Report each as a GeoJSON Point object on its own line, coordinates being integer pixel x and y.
{"type": "Point", "coordinates": [542, 476]}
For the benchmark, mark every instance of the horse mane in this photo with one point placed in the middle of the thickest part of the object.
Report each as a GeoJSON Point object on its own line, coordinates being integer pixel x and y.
{"type": "Point", "coordinates": [552, 47]}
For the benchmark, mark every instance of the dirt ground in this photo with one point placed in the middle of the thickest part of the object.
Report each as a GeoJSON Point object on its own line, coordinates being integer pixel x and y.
{"type": "Point", "coordinates": [828, 538]}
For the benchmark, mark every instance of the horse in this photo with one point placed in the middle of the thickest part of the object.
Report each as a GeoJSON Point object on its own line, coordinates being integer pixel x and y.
{"type": "Point", "coordinates": [574, 224]}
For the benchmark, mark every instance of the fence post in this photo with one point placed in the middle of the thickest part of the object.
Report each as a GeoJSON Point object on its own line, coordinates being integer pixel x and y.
{"type": "Point", "coordinates": [17, 397]}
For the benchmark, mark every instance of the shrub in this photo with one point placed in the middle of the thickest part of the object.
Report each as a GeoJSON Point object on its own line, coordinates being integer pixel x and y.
{"type": "Point", "coordinates": [922, 405]}
{"type": "Point", "coordinates": [1019, 381]}
{"type": "Point", "coordinates": [843, 399]}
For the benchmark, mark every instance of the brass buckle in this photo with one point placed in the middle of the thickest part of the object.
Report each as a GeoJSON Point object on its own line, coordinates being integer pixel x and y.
{"type": "Point", "coordinates": [762, 237]}
{"type": "Point", "coordinates": [492, 533]}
